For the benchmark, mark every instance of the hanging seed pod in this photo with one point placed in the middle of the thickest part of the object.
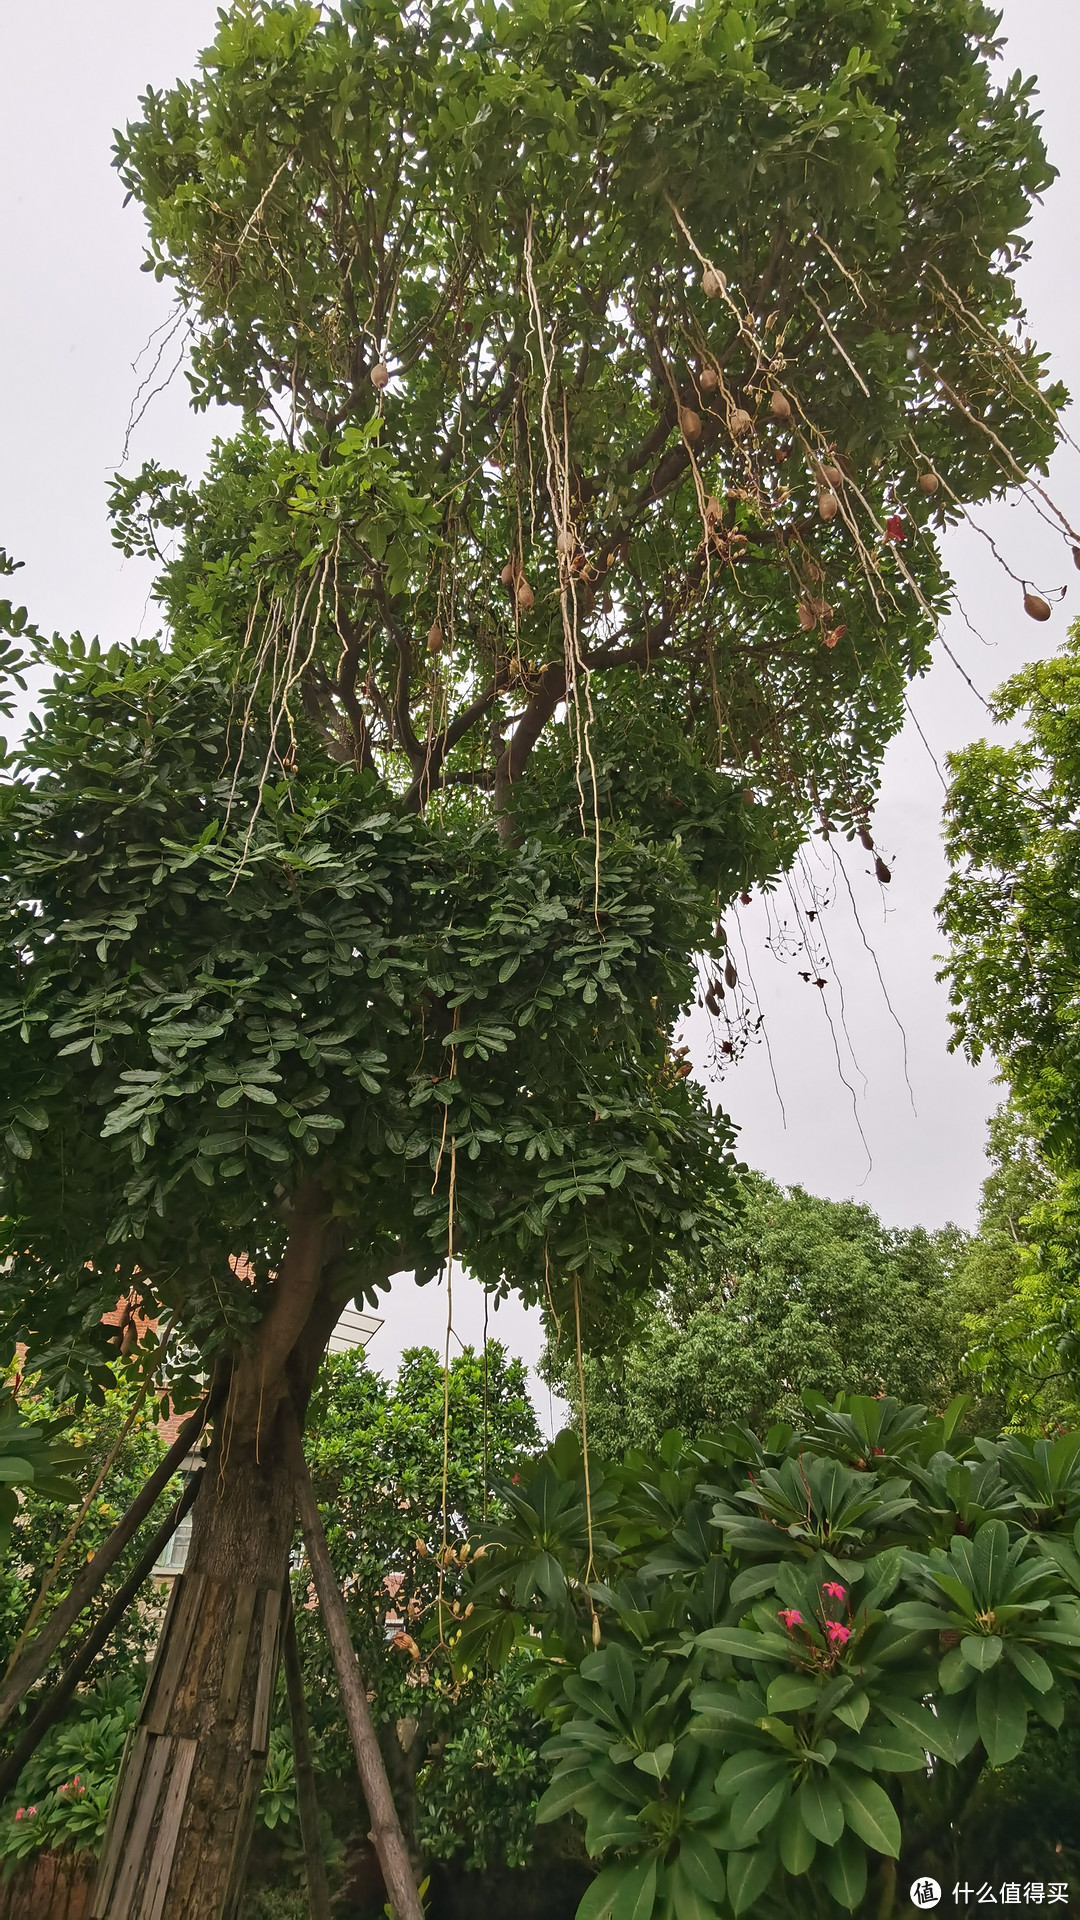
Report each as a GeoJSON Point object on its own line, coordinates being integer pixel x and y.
{"type": "Point", "coordinates": [714, 512]}
{"type": "Point", "coordinates": [435, 639]}
{"type": "Point", "coordinates": [1076, 556]}
{"type": "Point", "coordinates": [566, 543]}
{"type": "Point", "coordinates": [828, 505]}
{"type": "Point", "coordinates": [929, 483]}
{"type": "Point", "coordinates": [832, 477]}
{"type": "Point", "coordinates": [814, 573]}
{"type": "Point", "coordinates": [708, 380]}
{"type": "Point", "coordinates": [422, 1549]}
{"type": "Point", "coordinates": [596, 1635]}
{"type": "Point", "coordinates": [690, 425]}
{"type": "Point", "coordinates": [881, 870]}
{"type": "Point", "coordinates": [713, 283]}
{"type": "Point", "coordinates": [780, 406]}
{"type": "Point", "coordinates": [509, 573]}
{"type": "Point", "coordinates": [807, 617]}
{"type": "Point", "coordinates": [379, 376]}
{"type": "Point", "coordinates": [711, 1003]}
{"type": "Point", "coordinates": [1036, 607]}
{"type": "Point", "coordinates": [731, 978]}
{"type": "Point", "coordinates": [741, 422]}
{"type": "Point", "coordinates": [867, 838]}
{"type": "Point", "coordinates": [526, 599]}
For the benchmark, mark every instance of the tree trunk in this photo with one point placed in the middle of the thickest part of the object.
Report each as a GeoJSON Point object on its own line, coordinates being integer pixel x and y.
{"type": "Point", "coordinates": [184, 1808]}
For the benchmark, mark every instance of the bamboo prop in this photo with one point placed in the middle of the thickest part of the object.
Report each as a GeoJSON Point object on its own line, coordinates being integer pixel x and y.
{"type": "Point", "coordinates": [34, 1658]}
{"type": "Point", "coordinates": [386, 1834]}
{"type": "Point", "coordinates": [54, 1703]}
{"type": "Point", "coordinates": [307, 1800]}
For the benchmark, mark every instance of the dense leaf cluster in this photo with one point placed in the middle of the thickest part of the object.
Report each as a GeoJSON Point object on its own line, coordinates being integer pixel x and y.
{"type": "Point", "coordinates": [776, 1658]}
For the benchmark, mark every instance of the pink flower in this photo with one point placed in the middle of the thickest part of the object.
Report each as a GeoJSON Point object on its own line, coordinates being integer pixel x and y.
{"type": "Point", "coordinates": [837, 1635]}
{"type": "Point", "coordinates": [30, 1810]}
{"type": "Point", "coordinates": [834, 1590]}
{"type": "Point", "coordinates": [19, 1811]}
{"type": "Point", "coordinates": [790, 1617]}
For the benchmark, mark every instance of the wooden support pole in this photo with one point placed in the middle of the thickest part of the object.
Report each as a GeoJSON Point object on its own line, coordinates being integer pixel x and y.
{"type": "Point", "coordinates": [307, 1799]}
{"type": "Point", "coordinates": [31, 1663]}
{"type": "Point", "coordinates": [386, 1834]}
{"type": "Point", "coordinates": [53, 1705]}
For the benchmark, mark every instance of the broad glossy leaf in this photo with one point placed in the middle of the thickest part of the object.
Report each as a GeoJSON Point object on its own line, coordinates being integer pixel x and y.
{"type": "Point", "coordinates": [982, 1650]}
{"type": "Point", "coordinates": [748, 1875]}
{"type": "Point", "coordinates": [790, 1692]}
{"type": "Point", "coordinates": [597, 1902]}
{"type": "Point", "coordinates": [1001, 1708]}
{"type": "Point", "coordinates": [1029, 1665]}
{"type": "Point", "coordinates": [797, 1844]}
{"type": "Point", "coordinates": [564, 1795]}
{"type": "Point", "coordinates": [636, 1897]}
{"type": "Point", "coordinates": [868, 1811]}
{"type": "Point", "coordinates": [822, 1808]}
{"type": "Point", "coordinates": [756, 1808]}
{"type": "Point", "coordinates": [843, 1869]}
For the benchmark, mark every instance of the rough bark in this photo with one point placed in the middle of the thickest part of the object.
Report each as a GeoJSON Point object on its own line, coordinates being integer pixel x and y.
{"type": "Point", "coordinates": [184, 1809]}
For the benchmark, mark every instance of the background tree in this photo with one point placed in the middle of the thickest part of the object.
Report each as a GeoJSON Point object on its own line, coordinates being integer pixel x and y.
{"type": "Point", "coordinates": [796, 1293]}
{"type": "Point", "coordinates": [606, 381]}
{"type": "Point", "coordinates": [1009, 911]}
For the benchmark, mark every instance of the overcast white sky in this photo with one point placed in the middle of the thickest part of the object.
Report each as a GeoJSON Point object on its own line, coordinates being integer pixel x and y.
{"type": "Point", "coordinates": [75, 317]}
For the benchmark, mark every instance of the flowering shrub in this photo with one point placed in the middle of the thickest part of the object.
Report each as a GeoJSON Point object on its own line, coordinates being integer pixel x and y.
{"type": "Point", "coordinates": [772, 1657]}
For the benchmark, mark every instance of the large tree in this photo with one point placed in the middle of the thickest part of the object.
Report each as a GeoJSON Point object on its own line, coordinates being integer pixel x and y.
{"type": "Point", "coordinates": [606, 378]}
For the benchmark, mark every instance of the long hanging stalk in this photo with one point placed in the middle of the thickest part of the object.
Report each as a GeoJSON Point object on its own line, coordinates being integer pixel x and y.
{"type": "Point", "coordinates": [386, 1834]}
{"type": "Point", "coordinates": [34, 1658]}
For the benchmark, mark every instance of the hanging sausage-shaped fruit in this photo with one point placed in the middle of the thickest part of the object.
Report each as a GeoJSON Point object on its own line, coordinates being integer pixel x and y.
{"type": "Point", "coordinates": [713, 283]}
{"type": "Point", "coordinates": [828, 505]}
{"type": "Point", "coordinates": [526, 599]}
{"type": "Point", "coordinates": [435, 639]}
{"type": "Point", "coordinates": [780, 406]}
{"type": "Point", "coordinates": [690, 425]}
{"type": "Point", "coordinates": [380, 374]}
{"type": "Point", "coordinates": [708, 380]}
{"type": "Point", "coordinates": [741, 422]}
{"type": "Point", "coordinates": [1036, 607]}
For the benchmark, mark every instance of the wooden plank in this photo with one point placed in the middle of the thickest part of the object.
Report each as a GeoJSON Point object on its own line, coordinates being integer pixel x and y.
{"type": "Point", "coordinates": [171, 1605]}
{"type": "Point", "coordinates": [236, 1652]}
{"type": "Point", "coordinates": [174, 1657]}
{"type": "Point", "coordinates": [267, 1674]}
{"type": "Point", "coordinates": [138, 1835]}
{"type": "Point", "coordinates": [131, 1769]}
{"type": "Point", "coordinates": [172, 1813]}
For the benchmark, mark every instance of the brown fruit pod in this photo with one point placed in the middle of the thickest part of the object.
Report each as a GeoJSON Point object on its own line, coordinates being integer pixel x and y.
{"type": "Point", "coordinates": [1076, 556]}
{"type": "Point", "coordinates": [708, 380]}
{"type": "Point", "coordinates": [929, 483]}
{"type": "Point", "coordinates": [713, 283]}
{"type": "Point", "coordinates": [828, 505]}
{"type": "Point", "coordinates": [741, 422]}
{"type": "Point", "coordinates": [379, 375]}
{"type": "Point", "coordinates": [690, 425]}
{"type": "Point", "coordinates": [832, 477]}
{"type": "Point", "coordinates": [714, 512]}
{"type": "Point", "coordinates": [881, 870]}
{"type": "Point", "coordinates": [1036, 607]}
{"type": "Point", "coordinates": [731, 978]}
{"type": "Point", "coordinates": [509, 573]}
{"type": "Point", "coordinates": [867, 838]}
{"type": "Point", "coordinates": [435, 639]}
{"type": "Point", "coordinates": [526, 598]}
{"type": "Point", "coordinates": [807, 617]}
{"type": "Point", "coordinates": [780, 406]}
